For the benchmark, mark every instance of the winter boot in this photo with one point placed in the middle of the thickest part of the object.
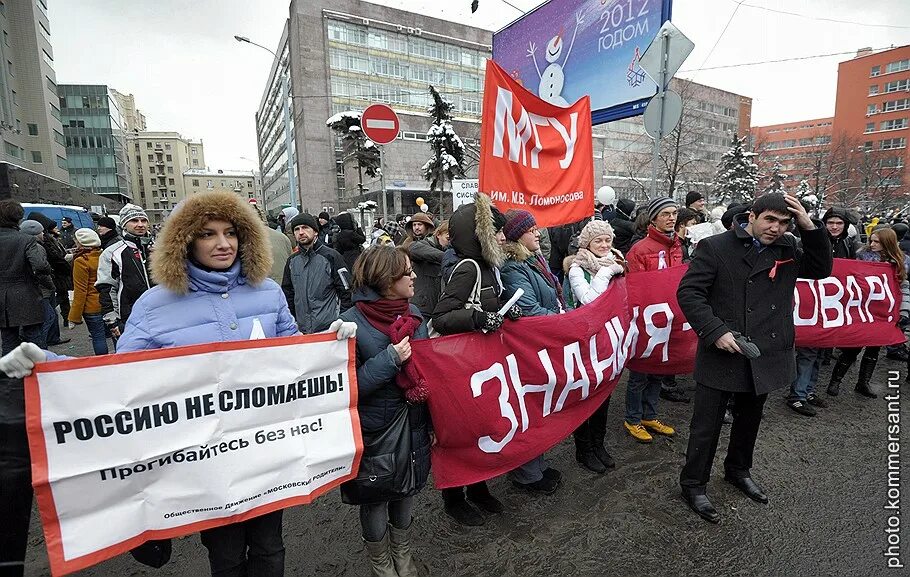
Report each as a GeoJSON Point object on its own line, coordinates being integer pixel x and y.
{"type": "Point", "coordinates": [598, 428]}
{"type": "Point", "coordinates": [584, 453]}
{"type": "Point", "coordinates": [837, 375]}
{"type": "Point", "coordinates": [457, 508]}
{"type": "Point", "coordinates": [480, 495]}
{"type": "Point", "coordinates": [400, 547]}
{"type": "Point", "coordinates": [866, 368]}
{"type": "Point", "coordinates": [380, 557]}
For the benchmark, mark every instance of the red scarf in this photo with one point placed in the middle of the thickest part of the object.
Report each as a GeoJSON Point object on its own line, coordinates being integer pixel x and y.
{"type": "Point", "coordinates": [394, 319]}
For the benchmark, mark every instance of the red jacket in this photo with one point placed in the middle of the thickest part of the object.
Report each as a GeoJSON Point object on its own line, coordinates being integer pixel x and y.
{"type": "Point", "coordinates": [646, 253]}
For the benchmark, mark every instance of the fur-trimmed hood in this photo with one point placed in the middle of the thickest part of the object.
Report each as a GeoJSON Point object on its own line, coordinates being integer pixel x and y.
{"type": "Point", "coordinates": [473, 234]}
{"type": "Point", "coordinates": [169, 258]}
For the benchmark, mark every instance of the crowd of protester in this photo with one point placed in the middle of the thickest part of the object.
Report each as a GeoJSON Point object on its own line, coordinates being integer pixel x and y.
{"type": "Point", "coordinates": [414, 277]}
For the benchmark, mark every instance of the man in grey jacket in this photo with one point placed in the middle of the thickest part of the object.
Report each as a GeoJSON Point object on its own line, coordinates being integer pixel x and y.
{"type": "Point", "coordinates": [316, 280]}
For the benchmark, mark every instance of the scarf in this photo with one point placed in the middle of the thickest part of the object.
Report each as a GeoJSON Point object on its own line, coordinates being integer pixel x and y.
{"type": "Point", "coordinates": [592, 263]}
{"type": "Point", "coordinates": [394, 319]}
{"type": "Point", "coordinates": [541, 265]}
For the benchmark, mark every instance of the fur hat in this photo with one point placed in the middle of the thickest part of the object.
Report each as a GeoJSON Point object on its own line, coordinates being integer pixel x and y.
{"type": "Point", "coordinates": [304, 219]}
{"type": "Point", "coordinates": [173, 245]}
{"type": "Point", "coordinates": [131, 211]}
{"type": "Point", "coordinates": [658, 204]}
{"type": "Point", "coordinates": [88, 237]}
{"type": "Point", "coordinates": [592, 230]}
{"type": "Point", "coordinates": [31, 227]}
{"type": "Point", "coordinates": [518, 222]}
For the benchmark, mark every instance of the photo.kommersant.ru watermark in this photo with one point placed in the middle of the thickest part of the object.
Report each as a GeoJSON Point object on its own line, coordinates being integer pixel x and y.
{"type": "Point", "coordinates": [892, 550]}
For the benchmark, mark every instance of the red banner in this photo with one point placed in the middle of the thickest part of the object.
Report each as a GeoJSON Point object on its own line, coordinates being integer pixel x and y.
{"type": "Point", "coordinates": [535, 155]}
{"type": "Point", "coordinates": [498, 400]}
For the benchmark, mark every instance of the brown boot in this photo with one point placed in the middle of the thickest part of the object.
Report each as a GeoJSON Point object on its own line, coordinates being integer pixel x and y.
{"type": "Point", "coordinates": [400, 546]}
{"type": "Point", "coordinates": [381, 563]}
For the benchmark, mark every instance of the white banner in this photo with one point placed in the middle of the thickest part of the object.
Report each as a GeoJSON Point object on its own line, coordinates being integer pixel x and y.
{"type": "Point", "coordinates": [463, 192]}
{"type": "Point", "coordinates": [163, 443]}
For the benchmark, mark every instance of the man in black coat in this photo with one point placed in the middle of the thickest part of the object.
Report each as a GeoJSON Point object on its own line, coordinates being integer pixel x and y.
{"type": "Point", "coordinates": [742, 281]}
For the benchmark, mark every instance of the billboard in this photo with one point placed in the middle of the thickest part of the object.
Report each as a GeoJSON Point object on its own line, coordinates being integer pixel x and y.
{"type": "Point", "coordinates": [566, 49]}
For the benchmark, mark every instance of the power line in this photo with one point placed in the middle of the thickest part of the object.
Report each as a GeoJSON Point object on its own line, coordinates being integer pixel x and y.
{"type": "Point", "coordinates": [722, 32]}
{"type": "Point", "coordinates": [807, 16]}
{"type": "Point", "coordinates": [781, 60]}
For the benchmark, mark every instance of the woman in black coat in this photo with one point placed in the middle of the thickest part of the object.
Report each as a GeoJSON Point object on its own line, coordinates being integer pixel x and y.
{"type": "Point", "coordinates": [386, 384]}
{"type": "Point", "coordinates": [349, 239]}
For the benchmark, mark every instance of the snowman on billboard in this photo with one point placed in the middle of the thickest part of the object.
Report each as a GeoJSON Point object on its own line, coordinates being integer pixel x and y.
{"type": "Point", "coordinates": [553, 78]}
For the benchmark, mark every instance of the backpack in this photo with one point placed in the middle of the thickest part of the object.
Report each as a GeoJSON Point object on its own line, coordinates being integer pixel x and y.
{"type": "Point", "coordinates": [473, 301]}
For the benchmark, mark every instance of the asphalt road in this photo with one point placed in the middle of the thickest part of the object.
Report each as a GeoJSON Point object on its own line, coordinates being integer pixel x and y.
{"type": "Point", "coordinates": [826, 478]}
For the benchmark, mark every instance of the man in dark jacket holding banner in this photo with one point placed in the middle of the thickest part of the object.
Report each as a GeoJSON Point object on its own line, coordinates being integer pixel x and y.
{"type": "Point", "coordinates": [738, 296]}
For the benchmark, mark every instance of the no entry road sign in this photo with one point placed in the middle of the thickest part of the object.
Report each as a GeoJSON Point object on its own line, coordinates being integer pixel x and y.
{"type": "Point", "coordinates": [380, 123]}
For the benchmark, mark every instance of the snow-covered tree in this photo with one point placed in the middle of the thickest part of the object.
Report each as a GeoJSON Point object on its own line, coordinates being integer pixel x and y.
{"type": "Point", "coordinates": [356, 146]}
{"type": "Point", "coordinates": [448, 154]}
{"type": "Point", "coordinates": [806, 195]}
{"type": "Point", "coordinates": [776, 178]}
{"type": "Point", "coordinates": [737, 175]}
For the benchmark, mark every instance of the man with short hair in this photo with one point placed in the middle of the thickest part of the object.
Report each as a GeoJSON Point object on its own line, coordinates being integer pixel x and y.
{"type": "Point", "coordinates": [658, 250]}
{"type": "Point", "coordinates": [738, 298]}
{"type": "Point", "coordinates": [123, 269]}
{"type": "Point", "coordinates": [316, 283]}
{"type": "Point", "coordinates": [325, 228]}
{"type": "Point", "coordinates": [67, 233]}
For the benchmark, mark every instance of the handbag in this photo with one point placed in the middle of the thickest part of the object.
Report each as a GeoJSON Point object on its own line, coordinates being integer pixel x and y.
{"type": "Point", "coordinates": [386, 466]}
{"type": "Point", "coordinates": [473, 301]}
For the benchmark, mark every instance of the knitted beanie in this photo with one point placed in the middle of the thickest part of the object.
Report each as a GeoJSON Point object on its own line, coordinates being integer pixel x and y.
{"type": "Point", "coordinates": [658, 204]}
{"type": "Point", "coordinates": [592, 230]}
{"type": "Point", "coordinates": [107, 222]}
{"type": "Point", "coordinates": [518, 222]}
{"type": "Point", "coordinates": [88, 237]}
{"type": "Point", "coordinates": [31, 227]}
{"type": "Point", "coordinates": [306, 219]}
{"type": "Point", "coordinates": [130, 212]}
{"type": "Point", "coordinates": [693, 196]}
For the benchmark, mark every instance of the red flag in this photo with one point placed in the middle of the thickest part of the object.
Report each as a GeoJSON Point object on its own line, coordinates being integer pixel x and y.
{"type": "Point", "coordinates": [535, 155]}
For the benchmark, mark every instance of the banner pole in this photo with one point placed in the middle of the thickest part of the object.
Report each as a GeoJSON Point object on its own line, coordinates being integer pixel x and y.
{"type": "Point", "coordinates": [659, 101]}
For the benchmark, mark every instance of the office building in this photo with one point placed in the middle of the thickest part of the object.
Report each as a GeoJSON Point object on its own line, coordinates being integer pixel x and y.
{"type": "Point", "coordinates": [158, 161]}
{"type": "Point", "coordinates": [242, 182]}
{"type": "Point", "coordinates": [93, 126]}
{"type": "Point", "coordinates": [133, 119]}
{"type": "Point", "coordinates": [30, 125]}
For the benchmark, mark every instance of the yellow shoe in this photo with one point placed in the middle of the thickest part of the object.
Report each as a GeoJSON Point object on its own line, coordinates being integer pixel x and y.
{"type": "Point", "coordinates": [658, 427]}
{"type": "Point", "coordinates": [638, 433]}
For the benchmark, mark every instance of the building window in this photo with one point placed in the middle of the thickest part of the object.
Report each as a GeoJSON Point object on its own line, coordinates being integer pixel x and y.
{"type": "Point", "coordinates": [170, 181]}
{"type": "Point", "coordinates": [870, 127]}
{"type": "Point", "coordinates": [32, 129]}
{"type": "Point", "coordinates": [151, 158]}
{"type": "Point", "coordinates": [895, 124]}
{"type": "Point", "coordinates": [208, 184]}
{"type": "Point", "coordinates": [876, 70]}
{"type": "Point", "coordinates": [195, 182]}
{"type": "Point", "coordinates": [871, 109]}
{"type": "Point", "coordinates": [897, 85]}
{"type": "Point", "coordinates": [892, 143]}
{"type": "Point", "coordinates": [249, 184]}
{"type": "Point", "coordinates": [15, 100]}
{"type": "Point", "coordinates": [61, 163]}
{"type": "Point", "coordinates": [195, 162]}
{"type": "Point", "coordinates": [902, 104]}
{"type": "Point", "coordinates": [47, 57]}
{"type": "Point", "coordinates": [148, 145]}
{"type": "Point", "coordinates": [36, 157]}
{"type": "Point", "coordinates": [193, 151]}
{"type": "Point", "coordinates": [170, 170]}
{"type": "Point", "coordinates": [169, 158]}
{"type": "Point", "coordinates": [898, 66]}
{"type": "Point", "coordinates": [873, 90]}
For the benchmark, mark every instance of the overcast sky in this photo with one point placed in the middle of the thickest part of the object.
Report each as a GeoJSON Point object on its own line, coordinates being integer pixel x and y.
{"type": "Point", "coordinates": [179, 58]}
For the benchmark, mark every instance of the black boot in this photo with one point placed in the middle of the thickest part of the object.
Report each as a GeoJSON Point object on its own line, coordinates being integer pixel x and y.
{"type": "Point", "coordinates": [598, 427]}
{"type": "Point", "coordinates": [583, 451]}
{"type": "Point", "coordinates": [866, 368]}
{"type": "Point", "coordinates": [480, 495]}
{"type": "Point", "coordinates": [837, 375]}
{"type": "Point", "coordinates": [457, 508]}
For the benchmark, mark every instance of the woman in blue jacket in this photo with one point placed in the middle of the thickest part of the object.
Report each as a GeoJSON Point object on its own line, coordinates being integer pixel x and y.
{"type": "Point", "coordinates": [386, 382]}
{"type": "Point", "coordinates": [211, 266]}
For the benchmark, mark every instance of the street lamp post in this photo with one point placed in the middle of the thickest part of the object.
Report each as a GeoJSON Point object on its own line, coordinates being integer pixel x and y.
{"type": "Point", "coordinates": [286, 112]}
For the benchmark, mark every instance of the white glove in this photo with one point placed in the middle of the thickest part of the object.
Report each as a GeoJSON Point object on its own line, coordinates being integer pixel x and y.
{"type": "Point", "coordinates": [616, 269]}
{"type": "Point", "coordinates": [19, 363]}
{"type": "Point", "coordinates": [343, 330]}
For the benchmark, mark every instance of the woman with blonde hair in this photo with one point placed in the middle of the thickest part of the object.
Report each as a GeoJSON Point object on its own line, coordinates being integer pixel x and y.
{"type": "Point", "coordinates": [882, 247]}
{"type": "Point", "coordinates": [86, 303]}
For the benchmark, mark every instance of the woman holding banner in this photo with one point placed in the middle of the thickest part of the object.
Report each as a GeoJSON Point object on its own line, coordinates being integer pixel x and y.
{"type": "Point", "coordinates": [391, 399]}
{"type": "Point", "coordinates": [526, 269]}
{"type": "Point", "coordinates": [211, 266]}
{"type": "Point", "coordinates": [470, 302]}
{"type": "Point", "coordinates": [882, 247]}
{"type": "Point", "coordinates": [590, 272]}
